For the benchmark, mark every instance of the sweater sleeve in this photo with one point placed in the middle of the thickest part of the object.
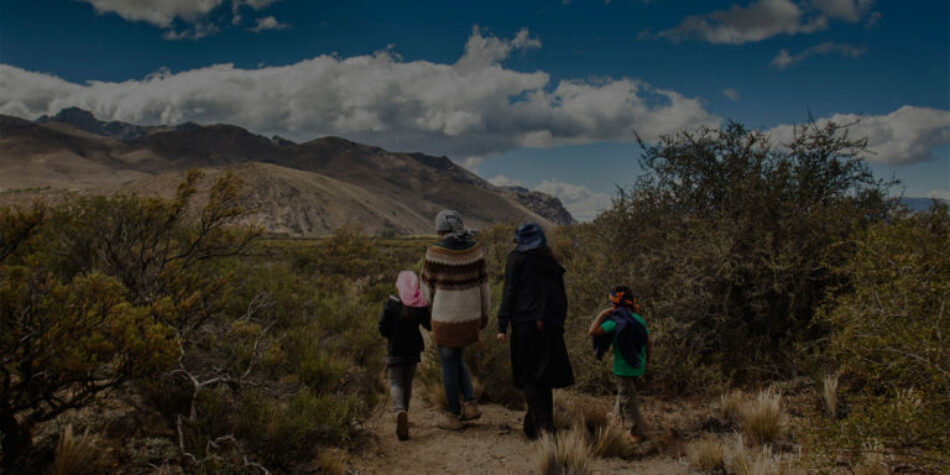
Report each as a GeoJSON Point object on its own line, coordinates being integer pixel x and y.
{"type": "Point", "coordinates": [428, 290]}
{"type": "Point", "coordinates": [508, 293]}
{"type": "Point", "coordinates": [426, 320]}
{"type": "Point", "coordinates": [386, 318]}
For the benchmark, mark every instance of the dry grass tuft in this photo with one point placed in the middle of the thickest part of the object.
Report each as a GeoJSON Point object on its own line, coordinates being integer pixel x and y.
{"type": "Point", "coordinates": [741, 461]}
{"type": "Point", "coordinates": [730, 405]}
{"type": "Point", "coordinates": [566, 455]}
{"type": "Point", "coordinates": [76, 455]}
{"type": "Point", "coordinates": [829, 395]}
{"type": "Point", "coordinates": [762, 419]}
{"type": "Point", "coordinates": [567, 413]}
{"type": "Point", "coordinates": [611, 441]}
{"type": "Point", "coordinates": [872, 461]}
{"type": "Point", "coordinates": [707, 454]}
{"type": "Point", "coordinates": [429, 376]}
{"type": "Point", "coordinates": [594, 416]}
{"type": "Point", "coordinates": [330, 463]}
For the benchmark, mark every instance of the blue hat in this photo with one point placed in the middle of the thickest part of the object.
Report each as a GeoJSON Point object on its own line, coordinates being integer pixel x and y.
{"type": "Point", "coordinates": [530, 236]}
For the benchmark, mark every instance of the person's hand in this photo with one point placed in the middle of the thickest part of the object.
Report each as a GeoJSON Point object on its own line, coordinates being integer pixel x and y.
{"type": "Point", "coordinates": [540, 325]}
{"type": "Point", "coordinates": [501, 337]}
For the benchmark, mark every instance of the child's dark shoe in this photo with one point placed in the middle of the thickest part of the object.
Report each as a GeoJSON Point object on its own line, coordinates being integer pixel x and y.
{"type": "Point", "coordinates": [402, 425]}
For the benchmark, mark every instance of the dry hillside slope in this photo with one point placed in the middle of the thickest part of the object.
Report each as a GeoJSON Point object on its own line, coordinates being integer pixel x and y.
{"type": "Point", "coordinates": [295, 189]}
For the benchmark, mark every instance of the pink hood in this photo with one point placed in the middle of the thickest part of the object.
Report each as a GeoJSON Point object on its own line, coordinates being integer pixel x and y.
{"type": "Point", "coordinates": [408, 286]}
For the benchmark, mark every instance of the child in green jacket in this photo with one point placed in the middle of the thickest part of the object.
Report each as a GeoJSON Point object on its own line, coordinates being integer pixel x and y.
{"type": "Point", "coordinates": [631, 349]}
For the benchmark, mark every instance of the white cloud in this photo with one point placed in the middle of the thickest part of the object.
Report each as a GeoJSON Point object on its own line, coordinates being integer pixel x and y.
{"type": "Point", "coordinates": [269, 23]}
{"type": "Point", "coordinates": [902, 137]}
{"type": "Point", "coordinates": [484, 51]}
{"type": "Point", "coordinates": [939, 195]}
{"type": "Point", "coordinates": [160, 14]}
{"type": "Point", "coordinates": [165, 13]}
{"type": "Point", "coordinates": [197, 31]}
{"type": "Point", "coordinates": [763, 19]}
{"type": "Point", "coordinates": [847, 10]}
{"type": "Point", "coordinates": [256, 4]}
{"type": "Point", "coordinates": [502, 180]}
{"type": "Point", "coordinates": [731, 93]}
{"type": "Point", "coordinates": [784, 60]}
{"type": "Point", "coordinates": [580, 201]}
{"type": "Point", "coordinates": [473, 108]}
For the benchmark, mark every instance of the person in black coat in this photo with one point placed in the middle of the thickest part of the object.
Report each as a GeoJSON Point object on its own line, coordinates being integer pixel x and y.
{"type": "Point", "coordinates": [399, 322]}
{"type": "Point", "coordinates": [534, 303]}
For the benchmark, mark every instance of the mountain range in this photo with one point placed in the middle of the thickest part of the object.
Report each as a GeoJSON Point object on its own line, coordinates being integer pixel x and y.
{"type": "Point", "coordinates": [305, 189]}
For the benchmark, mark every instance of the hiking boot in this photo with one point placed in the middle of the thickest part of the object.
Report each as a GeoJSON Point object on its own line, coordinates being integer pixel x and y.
{"type": "Point", "coordinates": [402, 425]}
{"type": "Point", "coordinates": [451, 422]}
{"type": "Point", "coordinates": [470, 410]}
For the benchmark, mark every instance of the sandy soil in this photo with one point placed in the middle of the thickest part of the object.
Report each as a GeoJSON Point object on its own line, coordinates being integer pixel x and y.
{"type": "Point", "coordinates": [491, 444]}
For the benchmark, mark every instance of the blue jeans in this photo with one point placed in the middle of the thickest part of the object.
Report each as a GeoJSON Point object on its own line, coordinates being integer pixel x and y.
{"type": "Point", "coordinates": [455, 378]}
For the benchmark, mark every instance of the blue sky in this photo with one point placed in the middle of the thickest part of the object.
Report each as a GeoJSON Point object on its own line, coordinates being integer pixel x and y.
{"type": "Point", "coordinates": [547, 94]}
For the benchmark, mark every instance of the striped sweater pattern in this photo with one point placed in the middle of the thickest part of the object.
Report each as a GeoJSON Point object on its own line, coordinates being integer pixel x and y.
{"type": "Point", "coordinates": [455, 285]}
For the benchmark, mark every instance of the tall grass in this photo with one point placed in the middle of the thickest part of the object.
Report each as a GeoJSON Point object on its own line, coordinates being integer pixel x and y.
{"type": "Point", "coordinates": [740, 460]}
{"type": "Point", "coordinates": [707, 454]}
{"type": "Point", "coordinates": [731, 404]}
{"type": "Point", "coordinates": [762, 419]}
{"type": "Point", "coordinates": [569, 454]}
{"type": "Point", "coordinates": [76, 454]}
{"type": "Point", "coordinates": [611, 441]}
{"type": "Point", "coordinates": [829, 395]}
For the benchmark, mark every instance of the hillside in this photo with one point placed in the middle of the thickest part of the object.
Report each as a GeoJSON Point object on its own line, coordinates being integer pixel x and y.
{"type": "Point", "coordinates": [295, 189]}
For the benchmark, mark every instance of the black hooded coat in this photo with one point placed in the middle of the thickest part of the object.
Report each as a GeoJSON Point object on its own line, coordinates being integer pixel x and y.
{"type": "Point", "coordinates": [534, 291]}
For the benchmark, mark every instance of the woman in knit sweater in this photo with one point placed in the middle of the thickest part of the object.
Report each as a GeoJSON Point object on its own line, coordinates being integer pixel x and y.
{"type": "Point", "coordinates": [455, 285]}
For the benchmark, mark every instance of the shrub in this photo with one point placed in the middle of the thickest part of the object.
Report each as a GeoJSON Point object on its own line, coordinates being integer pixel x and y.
{"type": "Point", "coordinates": [732, 239]}
{"type": "Point", "coordinates": [280, 432]}
{"type": "Point", "coordinates": [889, 335]}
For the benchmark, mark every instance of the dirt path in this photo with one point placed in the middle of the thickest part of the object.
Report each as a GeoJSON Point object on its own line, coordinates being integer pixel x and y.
{"type": "Point", "coordinates": [492, 444]}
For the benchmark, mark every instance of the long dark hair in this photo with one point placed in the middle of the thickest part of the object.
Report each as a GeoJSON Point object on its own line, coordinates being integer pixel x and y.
{"type": "Point", "coordinates": [543, 251]}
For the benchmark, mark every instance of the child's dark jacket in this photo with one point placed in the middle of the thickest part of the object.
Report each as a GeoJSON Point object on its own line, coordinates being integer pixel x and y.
{"type": "Point", "coordinates": [405, 340]}
{"type": "Point", "coordinates": [631, 337]}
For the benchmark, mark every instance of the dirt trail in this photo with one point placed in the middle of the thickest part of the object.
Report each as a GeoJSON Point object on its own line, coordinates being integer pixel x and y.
{"type": "Point", "coordinates": [491, 444]}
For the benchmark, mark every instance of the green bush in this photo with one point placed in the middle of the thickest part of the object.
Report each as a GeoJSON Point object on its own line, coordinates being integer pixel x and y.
{"type": "Point", "coordinates": [280, 432]}
{"type": "Point", "coordinates": [889, 331]}
{"type": "Point", "coordinates": [732, 240]}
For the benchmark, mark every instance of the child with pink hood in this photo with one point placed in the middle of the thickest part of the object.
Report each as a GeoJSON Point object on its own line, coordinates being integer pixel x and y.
{"type": "Point", "coordinates": [399, 322]}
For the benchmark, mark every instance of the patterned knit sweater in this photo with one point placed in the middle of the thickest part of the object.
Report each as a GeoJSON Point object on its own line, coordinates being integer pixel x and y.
{"type": "Point", "coordinates": [455, 285]}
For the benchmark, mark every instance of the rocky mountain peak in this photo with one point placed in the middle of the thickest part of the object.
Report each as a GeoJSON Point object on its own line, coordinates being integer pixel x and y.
{"type": "Point", "coordinates": [86, 121]}
{"type": "Point", "coordinates": [542, 203]}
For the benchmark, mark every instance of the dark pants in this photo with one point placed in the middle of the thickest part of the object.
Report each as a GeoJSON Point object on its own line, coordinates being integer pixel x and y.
{"type": "Point", "coordinates": [540, 415]}
{"type": "Point", "coordinates": [400, 386]}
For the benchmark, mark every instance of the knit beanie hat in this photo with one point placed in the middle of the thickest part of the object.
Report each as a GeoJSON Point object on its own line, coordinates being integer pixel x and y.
{"type": "Point", "coordinates": [450, 221]}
